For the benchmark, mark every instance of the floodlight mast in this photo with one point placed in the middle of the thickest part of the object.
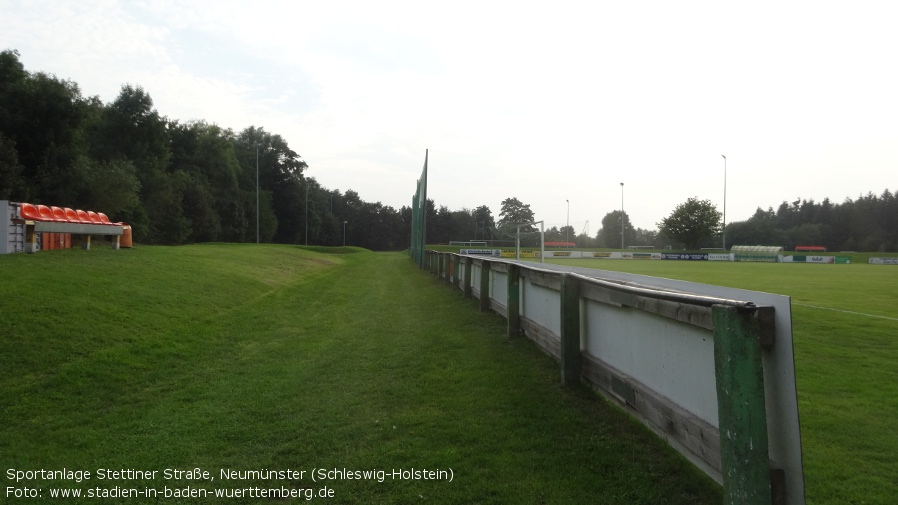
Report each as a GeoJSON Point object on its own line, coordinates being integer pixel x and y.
{"type": "Point", "coordinates": [542, 241]}
{"type": "Point", "coordinates": [568, 227]}
{"type": "Point", "coordinates": [257, 192]}
{"type": "Point", "coordinates": [724, 230]}
{"type": "Point", "coordinates": [622, 216]}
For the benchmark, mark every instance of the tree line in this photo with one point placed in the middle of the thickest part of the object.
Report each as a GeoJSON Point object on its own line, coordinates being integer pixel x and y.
{"type": "Point", "coordinates": [183, 182]}
{"type": "Point", "coordinates": [174, 182]}
{"type": "Point", "coordinates": [869, 223]}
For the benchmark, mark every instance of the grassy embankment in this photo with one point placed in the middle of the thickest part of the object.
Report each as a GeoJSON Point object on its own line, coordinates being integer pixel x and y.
{"type": "Point", "coordinates": [249, 357]}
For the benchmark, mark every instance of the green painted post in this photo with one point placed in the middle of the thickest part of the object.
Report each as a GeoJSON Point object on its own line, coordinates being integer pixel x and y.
{"type": "Point", "coordinates": [514, 300]}
{"type": "Point", "coordinates": [484, 286]}
{"type": "Point", "coordinates": [741, 410]}
{"type": "Point", "coordinates": [570, 330]}
{"type": "Point", "coordinates": [469, 265]}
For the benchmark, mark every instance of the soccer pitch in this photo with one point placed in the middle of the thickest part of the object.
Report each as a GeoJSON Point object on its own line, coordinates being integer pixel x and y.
{"type": "Point", "coordinates": [845, 329]}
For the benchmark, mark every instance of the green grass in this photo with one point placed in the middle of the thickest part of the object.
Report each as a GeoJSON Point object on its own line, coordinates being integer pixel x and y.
{"type": "Point", "coordinates": [846, 364]}
{"type": "Point", "coordinates": [253, 357]}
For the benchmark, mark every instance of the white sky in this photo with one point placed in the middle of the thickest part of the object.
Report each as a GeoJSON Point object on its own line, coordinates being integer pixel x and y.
{"type": "Point", "coordinates": [543, 101]}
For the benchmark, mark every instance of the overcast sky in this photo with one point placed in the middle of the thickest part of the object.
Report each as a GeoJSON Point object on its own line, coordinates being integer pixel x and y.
{"type": "Point", "coordinates": [543, 101]}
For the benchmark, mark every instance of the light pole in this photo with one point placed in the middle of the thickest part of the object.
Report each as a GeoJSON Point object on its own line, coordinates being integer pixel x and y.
{"type": "Point", "coordinates": [344, 233]}
{"type": "Point", "coordinates": [622, 216]}
{"type": "Point", "coordinates": [724, 202]}
{"type": "Point", "coordinates": [307, 211]}
{"type": "Point", "coordinates": [257, 193]}
{"type": "Point", "coordinates": [568, 228]}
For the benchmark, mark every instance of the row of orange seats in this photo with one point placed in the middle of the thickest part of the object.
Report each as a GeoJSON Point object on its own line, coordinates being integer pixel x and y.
{"type": "Point", "coordinates": [63, 215]}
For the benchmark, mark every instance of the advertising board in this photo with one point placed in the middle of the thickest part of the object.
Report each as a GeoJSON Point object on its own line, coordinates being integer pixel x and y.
{"type": "Point", "coordinates": [481, 252]}
{"type": "Point", "coordinates": [641, 256]}
{"type": "Point", "coordinates": [684, 256]}
{"type": "Point", "coordinates": [798, 258]}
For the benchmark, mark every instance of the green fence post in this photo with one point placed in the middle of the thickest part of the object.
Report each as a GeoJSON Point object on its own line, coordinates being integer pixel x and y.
{"type": "Point", "coordinates": [484, 286]}
{"type": "Point", "coordinates": [570, 330]}
{"type": "Point", "coordinates": [469, 265]}
{"type": "Point", "coordinates": [740, 406]}
{"type": "Point", "coordinates": [514, 300]}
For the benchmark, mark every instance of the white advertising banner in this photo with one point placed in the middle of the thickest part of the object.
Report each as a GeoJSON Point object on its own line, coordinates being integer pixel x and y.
{"type": "Point", "coordinates": [481, 252]}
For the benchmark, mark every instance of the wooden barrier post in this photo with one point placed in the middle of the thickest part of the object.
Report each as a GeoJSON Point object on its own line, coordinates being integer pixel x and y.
{"type": "Point", "coordinates": [570, 330]}
{"type": "Point", "coordinates": [447, 269]}
{"type": "Point", "coordinates": [514, 300]}
{"type": "Point", "coordinates": [469, 266]}
{"type": "Point", "coordinates": [741, 407]}
{"type": "Point", "coordinates": [484, 286]}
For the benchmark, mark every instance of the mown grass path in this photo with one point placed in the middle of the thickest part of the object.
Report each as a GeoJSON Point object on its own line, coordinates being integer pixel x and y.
{"type": "Point", "coordinates": [273, 357]}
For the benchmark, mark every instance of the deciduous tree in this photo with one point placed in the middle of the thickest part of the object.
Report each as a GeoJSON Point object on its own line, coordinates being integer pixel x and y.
{"type": "Point", "coordinates": [691, 222]}
{"type": "Point", "coordinates": [515, 212]}
{"type": "Point", "coordinates": [610, 233]}
{"type": "Point", "coordinates": [486, 225]}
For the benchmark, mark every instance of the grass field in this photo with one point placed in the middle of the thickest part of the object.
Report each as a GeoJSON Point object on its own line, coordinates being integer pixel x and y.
{"type": "Point", "coordinates": [845, 329]}
{"type": "Point", "coordinates": [257, 358]}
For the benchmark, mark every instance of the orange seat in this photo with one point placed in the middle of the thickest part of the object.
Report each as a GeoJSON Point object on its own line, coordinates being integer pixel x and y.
{"type": "Point", "coordinates": [58, 214]}
{"type": "Point", "coordinates": [29, 211]}
{"type": "Point", "coordinates": [104, 219]}
{"type": "Point", "coordinates": [45, 213]}
{"type": "Point", "coordinates": [83, 218]}
{"type": "Point", "coordinates": [71, 215]}
{"type": "Point", "coordinates": [94, 218]}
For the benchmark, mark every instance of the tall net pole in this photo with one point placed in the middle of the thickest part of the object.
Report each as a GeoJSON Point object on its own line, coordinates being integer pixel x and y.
{"type": "Point", "coordinates": [419, 217]}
